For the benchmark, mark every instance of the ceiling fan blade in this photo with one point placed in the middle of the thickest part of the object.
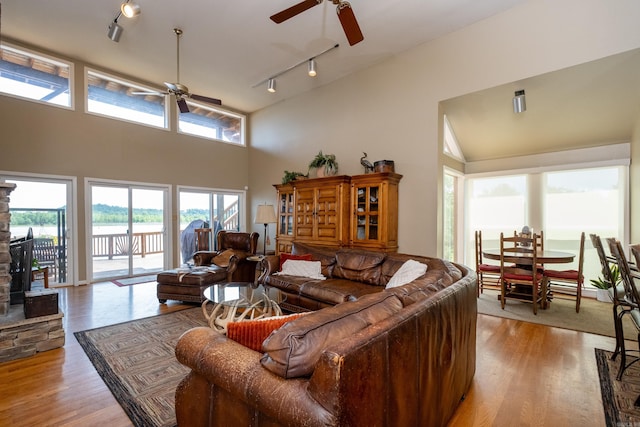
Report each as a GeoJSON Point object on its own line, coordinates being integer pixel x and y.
{"type": "Point", "coordinates": [182, 105]}
{"type": "Point", "coordinates": [206, 99]}
{"type": "Point", "coordinates": [294, 10]}
{"type": "Point", "coordinates": [349, 23]}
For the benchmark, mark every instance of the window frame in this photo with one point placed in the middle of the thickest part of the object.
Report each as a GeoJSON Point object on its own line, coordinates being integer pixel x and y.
{"type": "Point", "coordinates": [49, 59]}
{"type": "Point", "coordinates": [218, 110]}
{"type": "Point", "coordinates": [128, 83]}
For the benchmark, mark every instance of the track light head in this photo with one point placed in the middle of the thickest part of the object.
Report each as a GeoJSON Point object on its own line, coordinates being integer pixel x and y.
{"type": "Point", "coordinates": [519, 102]}
{"type": "Point", "coordinates": [130, 10]}
{"type": "Point", "coordinates": [115, 31]}
{"type": "Point", "coordinates": [271, 85]}
{"type": "Point", "coordinates": [312, 68]}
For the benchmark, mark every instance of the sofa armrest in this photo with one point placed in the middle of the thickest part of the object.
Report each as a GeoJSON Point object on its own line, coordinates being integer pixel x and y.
{"type": "Point", "coordinates": [236, 370]}
{"type": "Point", "coordinates": [269, 265]}
{"type": "Point", "coordinates": [204, 257]}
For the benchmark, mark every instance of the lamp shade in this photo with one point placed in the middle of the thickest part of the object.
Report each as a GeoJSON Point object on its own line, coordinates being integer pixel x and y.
{"type": "Point", "coordinates": [266, 214]}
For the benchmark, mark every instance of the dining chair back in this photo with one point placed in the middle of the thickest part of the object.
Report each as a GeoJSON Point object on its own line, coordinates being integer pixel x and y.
{"type": "Point", "coordinates": [203, 239]}
{"type": "Point", "coordinates": [632, 298]}
{"type": "Point", "coordinates": [635, 252]}
{"type": "Point", "coordinates": [488, 275]}
{"type": "Point", "coordinates": [568, 283]}
{"type": "Point", "coordinates": [519, 276]}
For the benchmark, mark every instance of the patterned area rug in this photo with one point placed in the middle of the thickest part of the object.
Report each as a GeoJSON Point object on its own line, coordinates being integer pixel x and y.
{"type": "Point", "coordinates": [618, 397]}
{"type": "Point", "coordinates": [136, 361]}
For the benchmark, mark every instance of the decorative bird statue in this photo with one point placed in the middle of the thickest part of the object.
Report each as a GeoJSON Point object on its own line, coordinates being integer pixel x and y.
{"type": "Point", "coordinates": [368, 167]}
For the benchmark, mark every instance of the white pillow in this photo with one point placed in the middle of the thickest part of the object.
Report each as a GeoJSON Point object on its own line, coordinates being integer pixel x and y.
{"type": "Point", "coordinates": [409, 271]}
{"type": "Point", "coordinates": [294, 267]}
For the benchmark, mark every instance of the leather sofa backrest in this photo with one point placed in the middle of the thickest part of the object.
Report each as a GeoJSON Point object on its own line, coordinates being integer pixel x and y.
{"type": "Point", "coordinates": [361, 266]}
{"type": "Point", "coordinates": [327, 257]}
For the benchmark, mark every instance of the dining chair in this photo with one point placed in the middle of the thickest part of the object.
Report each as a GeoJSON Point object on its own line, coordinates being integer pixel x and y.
{"type": "Point", "coordinates": [616, 293]}
{"type": "Point", "coordinates": [635, 251]}
{"type": "Point", "coordinates": [632, 297]}
{"type": "Point", "coordinates": [568, 283]}
{"type": "Point", "coordinates": [488, 275]}
{"type": "Point", "coordinates": [521, 281]}
{"type": "Point", "coordinates": [203, 239]}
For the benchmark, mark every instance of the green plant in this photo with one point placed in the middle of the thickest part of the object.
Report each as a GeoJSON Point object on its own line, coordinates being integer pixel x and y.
{"type": "Point", "coordinates": [291, 176]}
{"type": "Point", "coordinates": [600, 283]}
{"type": "Point", "coordinates": [324, 161]}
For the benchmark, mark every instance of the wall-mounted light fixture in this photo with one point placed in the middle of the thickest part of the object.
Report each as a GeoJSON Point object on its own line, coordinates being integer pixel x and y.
{"type": "Point", "coordinates": [127, 9]}
{"type": "Point", "coordinates": [312, 70]}
{"type": "Point", "coordinates": [519, 102]}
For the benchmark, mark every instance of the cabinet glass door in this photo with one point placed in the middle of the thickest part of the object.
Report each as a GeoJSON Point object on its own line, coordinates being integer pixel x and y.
{"type": "Point", "coordinates": [367, 212]}
{"type": "Point", "coordinates": [286, 214]}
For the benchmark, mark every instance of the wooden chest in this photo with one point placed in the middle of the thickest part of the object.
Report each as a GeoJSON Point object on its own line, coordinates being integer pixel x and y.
{"type": "Point", "coordinates": [40, 303]}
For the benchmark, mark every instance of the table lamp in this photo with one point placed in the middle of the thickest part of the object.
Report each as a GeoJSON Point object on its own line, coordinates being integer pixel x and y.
{"type": "Point", "coordinates": [266, 215]}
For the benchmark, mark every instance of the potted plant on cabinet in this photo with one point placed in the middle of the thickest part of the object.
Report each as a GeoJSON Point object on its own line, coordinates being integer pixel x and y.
{"type": "Point", "coordinates": [324, 164]}
{"type": "Point", "coordinates": [603, 286]}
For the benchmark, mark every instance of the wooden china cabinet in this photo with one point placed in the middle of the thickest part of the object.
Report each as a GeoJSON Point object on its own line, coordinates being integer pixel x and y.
{"type": "Point", "coordinates": [374, 211]}
{"type": "Point", "coordinates": [353, 211]}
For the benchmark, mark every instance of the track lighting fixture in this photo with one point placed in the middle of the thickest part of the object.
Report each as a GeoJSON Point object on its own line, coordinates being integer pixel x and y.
{"type": "Point", "coordinates": [312, 70]}
{"type": "Point", "coordinates": [115, 31]}
{"type": "Point", "coordinates": [127, 9]}
{"type": "Point", "coordinates": [271, 85]}
{"type": "Point", "coordinates": [519, 102]}
{"type": "Point", "coordinates": [130, 9]}
{"type": "Point", "coordinates": [312, 67]}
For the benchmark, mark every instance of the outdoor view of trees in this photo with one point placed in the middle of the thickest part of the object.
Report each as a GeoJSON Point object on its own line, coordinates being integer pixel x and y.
{"type": "Point", "coordinates": [105, 214]}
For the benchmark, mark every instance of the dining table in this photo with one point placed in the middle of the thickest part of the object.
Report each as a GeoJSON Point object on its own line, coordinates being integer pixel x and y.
{"type": "Point", "coordinates": [525, 259]}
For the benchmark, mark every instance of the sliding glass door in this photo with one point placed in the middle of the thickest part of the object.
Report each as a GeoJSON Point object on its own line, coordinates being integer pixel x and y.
{"type": "Point", "coordinates": [128, 230]}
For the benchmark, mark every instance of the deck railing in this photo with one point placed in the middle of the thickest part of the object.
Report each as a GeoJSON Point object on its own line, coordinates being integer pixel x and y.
{"type": "Point", "coordinates": [110, 245]}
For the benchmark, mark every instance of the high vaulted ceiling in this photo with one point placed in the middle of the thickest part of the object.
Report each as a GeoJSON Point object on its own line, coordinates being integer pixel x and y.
{"type": "Point", "coordinates": [229, 47]}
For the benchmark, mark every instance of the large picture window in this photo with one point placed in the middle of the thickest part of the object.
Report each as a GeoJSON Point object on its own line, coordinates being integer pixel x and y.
{"type": "Point", "coordinates": [33, 76]}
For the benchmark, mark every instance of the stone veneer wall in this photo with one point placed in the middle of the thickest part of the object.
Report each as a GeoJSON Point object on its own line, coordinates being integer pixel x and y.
{"type": "Point", "coordinates": [5, 255]}
{"type": "Point", "coordinates": [20, 337]}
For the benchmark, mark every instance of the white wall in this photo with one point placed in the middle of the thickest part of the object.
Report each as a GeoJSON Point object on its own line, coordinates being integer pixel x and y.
{"type": "Point", "coordinates": [391, 110]}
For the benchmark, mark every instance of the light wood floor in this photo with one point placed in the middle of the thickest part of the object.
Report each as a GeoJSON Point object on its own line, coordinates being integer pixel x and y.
{"type": "Point", "coordinates": [526, 374]}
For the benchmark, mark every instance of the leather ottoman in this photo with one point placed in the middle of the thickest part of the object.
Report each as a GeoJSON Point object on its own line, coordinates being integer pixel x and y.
{"type": "Point", "coordinates": [187, 285]}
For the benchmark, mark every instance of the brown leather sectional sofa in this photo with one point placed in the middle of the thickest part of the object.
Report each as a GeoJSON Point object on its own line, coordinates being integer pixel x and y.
{"type": "Point", "coordinates": [403, 356]}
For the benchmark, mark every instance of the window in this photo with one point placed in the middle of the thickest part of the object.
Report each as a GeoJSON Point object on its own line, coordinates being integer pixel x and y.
{"type": "Point", "coordinates": [36, 77]}
{"type": "Point", "coordinates": [452, 184]}
{"type": "Point", "coordinates": [112, 97]}
{"type": "Point", "coordinates": [451, 147]}
{"type": "Point", "coordinates": [213, 123]}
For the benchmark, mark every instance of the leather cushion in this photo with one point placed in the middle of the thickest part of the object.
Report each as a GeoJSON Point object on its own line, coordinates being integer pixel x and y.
{"type": "Point", "coordinates": [294, 349]}
{"type": "Point", "coordinates": [358, 265]}
{"type": "Point", "coordinates": [222, 259]}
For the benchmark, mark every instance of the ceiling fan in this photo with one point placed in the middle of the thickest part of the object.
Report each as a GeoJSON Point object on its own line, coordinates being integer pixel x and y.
{"type": "Point", "coordinates": [343, 9]}
{"type": "Point", "coordinates": [179, 90]}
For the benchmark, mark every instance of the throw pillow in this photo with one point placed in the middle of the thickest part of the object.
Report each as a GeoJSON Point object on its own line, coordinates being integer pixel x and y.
{"type": "Point", "coordinates": [408, 272]}
{"type": "Point", "coordinates": [222, 259]}
{"type": "Point", "coordinates": [310, 269]}
{"type": "Point", "coordinates": [251, 333]}
{"type": "Point", "coordinates": [285, 256]}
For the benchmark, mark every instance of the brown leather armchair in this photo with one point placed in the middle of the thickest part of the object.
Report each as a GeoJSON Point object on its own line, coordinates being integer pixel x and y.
{"type": "Point", "coordinates": [243, 245]}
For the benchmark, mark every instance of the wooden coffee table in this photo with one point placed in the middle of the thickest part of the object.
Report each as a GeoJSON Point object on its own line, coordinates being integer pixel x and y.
{"type": "Point", "coordinates": [238, 301]}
